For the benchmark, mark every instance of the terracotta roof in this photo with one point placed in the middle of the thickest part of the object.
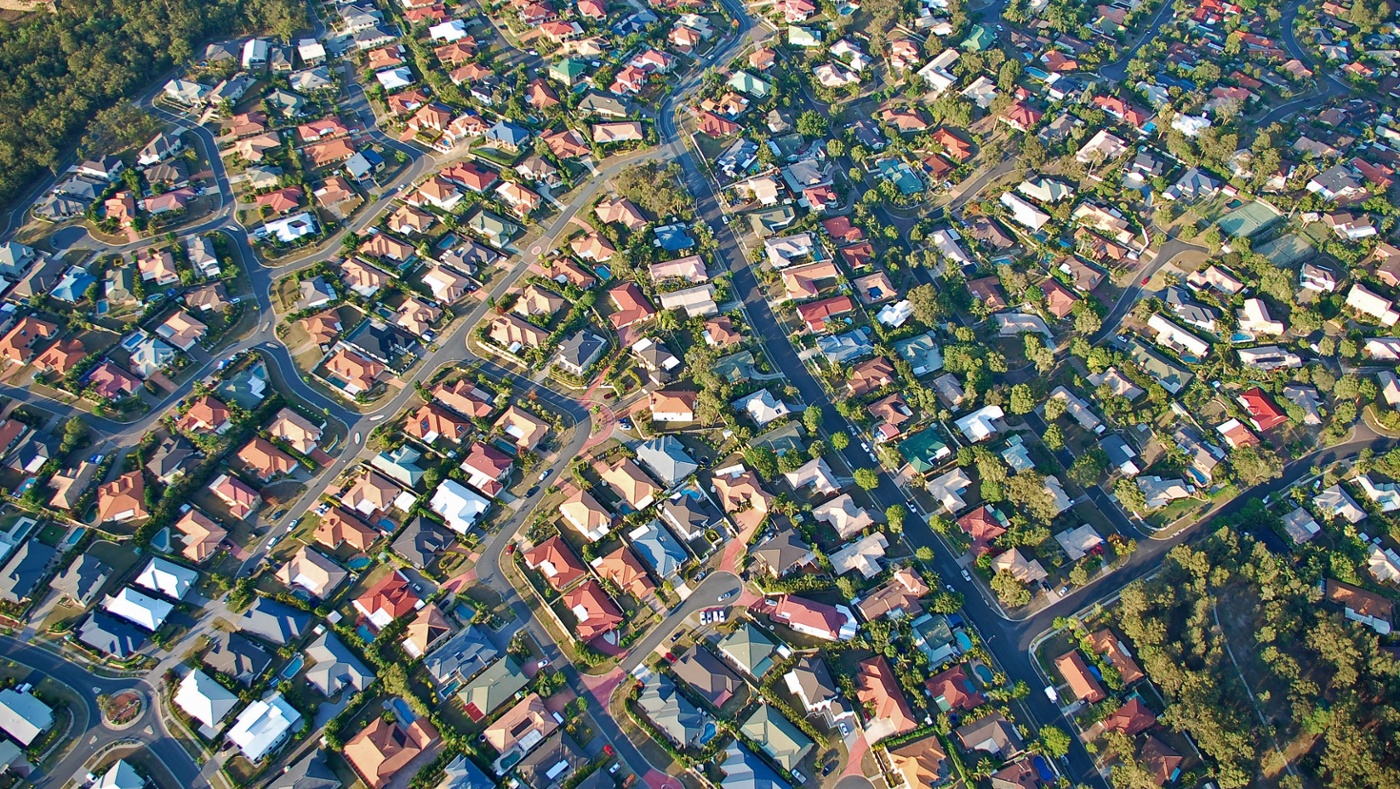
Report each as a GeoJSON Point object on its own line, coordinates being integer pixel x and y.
{"type": "Point", "coordinates": [556, 562]}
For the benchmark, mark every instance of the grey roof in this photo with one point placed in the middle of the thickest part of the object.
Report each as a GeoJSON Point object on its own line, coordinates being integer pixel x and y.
{"type": "Point", "coordinates": [992, 734]}
{"type": "Point", "coordinates": [848, 347]}
{"type": "Point", "coordinates": [22, 716]}
{"type": "Point", "coordinates": [667, 459]}
{"type": "Point", "coordinates": [237, 656]}
{"type": "Point", "coordinates": [421, 540]}
{"type": "Point", "coordinates": [580, 350]}
{"type": "Point", "coordinates": [598, 104]}
{"type": "Point", "coordinates": [336, 668]}
{"type": "Point", "coordinates": [311, 772]}
{"type": "Point", "coordinates": [689, 515]}
{"type": "Point", "coordinates": [707, 674]}
{"type": "Point", "coordinates": [28, 565]}
{"type": "Point", "coordinates": [272, 621]}
{"type": "Point", "coordinates": [1187, 309]}
{"type": "Point", "coordinates": [551, 762]}
{"type": "Point", "coordinates": [83, 579]}
{"type": "Point", "coordinates": [110, 635]}
{"type": "Point", "coordinates": [782, 552]}
{"type": "Point", "coordinates": [744, 770]}
{"type": "Point", "coordinates": [169, 456]}
{"type": "Point", "coordinates": [813, 677]}
{"type": "Point", "coordinates": [463, 655]}
{"type": "Point", "coordinates": [677, 718]}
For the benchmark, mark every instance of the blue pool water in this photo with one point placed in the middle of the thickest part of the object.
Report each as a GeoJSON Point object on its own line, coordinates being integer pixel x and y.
{"type": "Point", "coordinates": [293, 667]}
{"type": "Point", "coordinates": [604, 273]}
{"type": "Point", "coordinates": [359, 563]}
{"type": "Point", "coordinates": [365, 633]}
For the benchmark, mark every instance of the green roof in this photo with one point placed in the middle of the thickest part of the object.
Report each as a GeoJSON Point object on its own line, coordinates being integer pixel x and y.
{"type": "Point", "coordinates": [750, 648]}
{"type": "Point", "coordinates": [979, 39]}
{"type": "Point", "coordinates": [568, 69]}
{"type": "Point", "coordinates": [492, 688]}
{"type": "Point", "coordinates": [922, 450]}
{"type": "Point", "coordinates": [744, 82]}
{"type": "Point", "coordinates": [777, 736]}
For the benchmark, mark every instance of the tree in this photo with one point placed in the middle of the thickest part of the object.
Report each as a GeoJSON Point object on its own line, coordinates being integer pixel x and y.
{"type": "Point", "coordinates": [927, 307]}
{"type": "Point", "coordinates": [1130, 496]}
{"type": "Point", "coordinates": [1054, 438]}
{"type": "Point", "coordinates": [763, 459]}
{"type": "Point", "coordinates": [1088, 467]}
{"type": "Point", "coordinates": [895, 514]}
{"type": "Point", "coordinates": [811, 125]}
{"type": "Point", "coordinates": [1010, 590]}
{"type": "Point", "coordinates": [1022, 399]}
{"type": "Point", "coordinates": [923, 553]}
{"type": "Point", "coordinates": [1253, 465]}
{"type": "Point", "coordinates": [1027, 490]}
{"type": "Point", "coordinates": [1053, 741]}
{"type": "Point", "coordinates": [812, 419]}
{"type": "Point", "coordinates": [839, 440]}
{"type": "Point", "coordinates": [867, 479]}
{"type": "Point", "coordinates": [947, 602]}
{"type": "Point", "coordinates": [74, 431]}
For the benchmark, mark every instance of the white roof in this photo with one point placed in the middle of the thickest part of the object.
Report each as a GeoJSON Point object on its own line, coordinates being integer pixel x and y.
{"type": "Point", "coordinates": [1384, 494]}
{"type": "Point", "coordinates": [310, 49]}
{"type": "Point", "coordinates": [395, 78]}
{"type": "Point", "coordinates": [1334, 502]}
{"type": "Point", "coordinates": [458, 505]}
{"type": "Point", "coordinates": [863, 555]}
{"type": "Point", "coordinates": [1023, 212]}
{"type": "Point", "coordinates": [131, 605]}
{"type": "Point", "coordinates": [22, 716]}
{"type": "Point", "coordinates": [205, 699]}
{"type": "Point", "coordinates": [451, 30]}
{"type": "Point", "coordinates": [1078, 541]}
{"type": "Point", "coordinates": [762, 407]}
{"type": "Point", "coordinates": [1103, 143]}
{"type": "Point", "coordinates": [263, 725]}
{"type": "Point", "coordinates": [979, 425]}
{"type": "Point", "coordinates": [894, 315]}
{"type": "Point", "coordinates": [120, 776]}
{"type": "Point", "coordinates": [167, 578]}
{"type": "Point", "coordinates": [1384, 564]}
{"type": "Point", "coordinates": [947, 489]}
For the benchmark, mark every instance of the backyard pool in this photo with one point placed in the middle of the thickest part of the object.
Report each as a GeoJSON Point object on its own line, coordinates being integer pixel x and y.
{"type": "Point", "coordinates": [365, 633]}
{"type": "Point", "coordinates": [359, 563]}
{"type": "Point", "coordinates": [293, 667]}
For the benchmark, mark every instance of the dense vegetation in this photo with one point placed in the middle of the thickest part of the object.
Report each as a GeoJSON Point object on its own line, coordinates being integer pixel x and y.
{"type": "Point", "coordinates": [58, 70]}
{"type": "Point", "coordinates": [1326, 687]}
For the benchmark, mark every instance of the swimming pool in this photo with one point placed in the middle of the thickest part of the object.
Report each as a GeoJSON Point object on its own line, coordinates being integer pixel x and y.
{"type": "Point", "coordinates": [359, 563]}
{"type": "Point", "coordinates": [293, 667]}
{"type": "Point", "coordinates": [365, 633]}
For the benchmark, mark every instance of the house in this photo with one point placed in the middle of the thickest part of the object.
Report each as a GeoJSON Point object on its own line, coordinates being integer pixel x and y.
{"type": "Point", "coordinates": [1359, 605]}
{"type": "Point", "coordinates": [202, 699]}
{"type": "Point", "coordinates": [521, 727]}
{"type": "Point", "coordinates": [385, 747]}
{"type": "Point", "coordinates": [1372, 305]}
{"type": "Point", "coordinates": [1083, 685]}
{"type": "Point", "coordinates": [714, 681]}
{"type": "Point", "coordinates": [263, 726]}
{"type": "Point", "coordinates": [981, 424]}
{"type": "Point", "coordinates": [921, 762]}
{"type": "Point", "coordinates": [83, 579]}
{"type": "Point", "coordinates": [122, 499]}
{"type": "Point", "coordinates": [578, 353]}
{"type": "Point", "coordinates": [487, 468]}
{"type": "Point", "coordinates": [554, 560]}
{"type": "Point", "coordinates": [240, 499]}
{"type": "Point", "coordinates": [313, 572]}
{"type": "Point", "coordinates": [667, 459]}
{"type": "Point", "coordinates": [460, 506]}
{"type": "Point", "coordinates": [552, 763]}
{"type": "Point", "coordinates": [991, 734]}
{"type": "Point", "coordinates": [238, 657]}
{"type": "Point", "coordinates": [624, 569]}
{"type": "Point", "coordinates": [27, 566]}
{"type": "Point", "coordinates": [586, 515]}
{"type": "Point", "coordinates": [110, 636]}
{"type": "Point", "coordinates": [206, 414]}
{"type": "Point", "coordinates": [777, 737]}
{"type": "Point", "coordinates": [24, 717]}
{"type": "Point", "coordinates": [387, 600]}
{"type": "Point", "coordinates": [689, 514]}
{"type": "Point", "coordinates": [671, 713]}
{"type": "Point", "coordinates": [167, 578]}
{"type": "Point", "coordinates": [338, 527]}
{"type": "Point", "coordinates": [139, 609]}
{"type": "Point", "coordinates": [595, 614]}
{"type": "Point", "coordinates": [878, 689]}
{"type": "Point", "coordinates": [655, 545]}
{"type": "Point", "coordinates": [819, 620]}
{"type": "Point", "coordinates": [1159, 491]}
{"type": "Point", "coordinates": [1263, 414]}
{"type": "Point", "coordinates": [334, 668]}
{"type": "Point", "coordinates": [762, 407]}
{"type": "Point", "coordinates": [202, 536]}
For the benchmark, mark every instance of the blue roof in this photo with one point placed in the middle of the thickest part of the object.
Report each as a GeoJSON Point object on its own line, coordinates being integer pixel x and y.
{"type": "Point", "coordinates": [673, 238]}
{"type": "Point", "coordinates": [507, 132]}
{"type": "Point", "coordinates": [73, 285]}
